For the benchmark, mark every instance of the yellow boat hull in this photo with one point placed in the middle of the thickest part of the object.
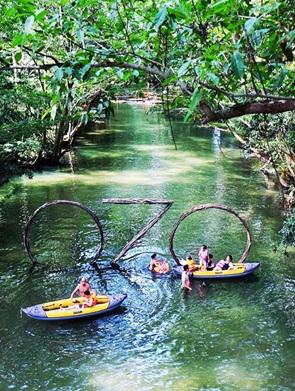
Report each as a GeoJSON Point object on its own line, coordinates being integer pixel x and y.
{"type": "Point", "coordinates": [240, 270]}
{"type": "Point", "coordinates": [73, 308]}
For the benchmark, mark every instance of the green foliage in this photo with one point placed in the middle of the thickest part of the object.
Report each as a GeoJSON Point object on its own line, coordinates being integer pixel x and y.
{"type": "Point", "coordinates": [287, 232]}
{"type": "Point", "coordinates": [8, 191]}
{"type": "Point", "coordinates": [29, 23]}
{"type": "Point", "coordinates": [219, 52]}
{"type": "Point", "coordinates": [196, 97]}
{"type": "Point", "coordinates": [22, 130]}
{"type": "Point", "coordinates": [215, 42]}
{"type": "Point", "coordinates": [238, 64]}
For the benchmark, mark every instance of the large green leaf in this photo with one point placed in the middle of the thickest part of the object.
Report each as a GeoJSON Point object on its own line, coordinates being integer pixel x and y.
{"type": "Point", "coordinates": [238, 64]}
{"type": "Point", "coordinates": [58, 74]}
{"type": "Point", "coordinates": [222, 6]}
{"type": "Point", "coordinates": [212, 77]}
{"type": "Point", "coordinates": [53, 112]}
{"type": "Point", "coordinates": [258, 35]}
{"type": "Point", "coordinates": [280, 79]}
{"type": "Point", "coordinates": [19, 39]}
{"type": "Point", "coordinates": [161, 17]}
{"type": "Point", "coordinates": [183, 69]}
{"type": "Point", "coordinates": [40, 14]}
{"type": "Point", "coordinates": [169, 80]}
{"type": "Point", "coordinates": [196, 97]}
{"type": "Point", "coordinates": [84, 70]}
{"type": "Point", "coordinates": [182, 10]}
{"type": "Point", "coordinates": [29, 23]}
{"type": "Point", "coordinates": [18, 56]}
{"type": "Point", "coordinates": [68, 71]}
{"type": "Point", "coordinates": [250, 23]}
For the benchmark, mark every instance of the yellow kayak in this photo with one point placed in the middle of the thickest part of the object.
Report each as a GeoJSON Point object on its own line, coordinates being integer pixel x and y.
{"type": "Point", "coordinates": [240, 270]}
{"type": "Point", "coordinates": [72, 308]}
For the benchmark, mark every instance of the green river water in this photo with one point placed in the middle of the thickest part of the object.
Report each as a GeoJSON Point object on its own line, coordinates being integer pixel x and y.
{"type": "Point", "coordinates": [236, 335]}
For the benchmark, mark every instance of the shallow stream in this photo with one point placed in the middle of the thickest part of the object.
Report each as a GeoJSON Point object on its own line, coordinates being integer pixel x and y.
{"type": "Point", "coordinates": [236, 335]}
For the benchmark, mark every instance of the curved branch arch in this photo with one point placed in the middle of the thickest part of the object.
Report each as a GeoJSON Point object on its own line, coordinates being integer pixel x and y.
{"type": "Point", "coordinates": [198, 208]}
{"type": "Point", "coordinates": [27, 243]}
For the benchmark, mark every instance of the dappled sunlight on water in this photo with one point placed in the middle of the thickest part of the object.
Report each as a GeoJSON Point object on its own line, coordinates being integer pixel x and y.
{"type": "Point", "coordinates": [160, 375]}
{"type": "Point", "coordinates": [175, 167]}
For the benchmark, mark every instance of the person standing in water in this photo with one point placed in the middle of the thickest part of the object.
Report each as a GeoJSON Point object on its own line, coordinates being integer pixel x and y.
{"type": "Point", "coordinates": [185, 281]}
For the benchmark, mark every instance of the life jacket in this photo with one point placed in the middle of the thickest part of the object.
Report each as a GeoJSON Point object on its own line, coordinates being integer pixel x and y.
{"type": "Point", "coordinates": [92, 301]}
{"type": "Point", "coordinates": [190, 262]}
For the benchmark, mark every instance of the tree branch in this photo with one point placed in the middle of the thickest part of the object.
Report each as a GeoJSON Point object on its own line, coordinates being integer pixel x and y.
{"type": "Point", "coordinates": [29, 50]}
{"type": "Point", "coordinates": [280, 105]}
{"type": "Point", "coordinates": [263, 107]}
{"type": "Point", "coordinates": [231, 94]}
{"type": "Point", "coordinates": [103, 64]}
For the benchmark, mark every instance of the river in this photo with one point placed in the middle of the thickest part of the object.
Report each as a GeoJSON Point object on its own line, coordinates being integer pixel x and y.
{"type": "Point", "coordinates": [223, 336]}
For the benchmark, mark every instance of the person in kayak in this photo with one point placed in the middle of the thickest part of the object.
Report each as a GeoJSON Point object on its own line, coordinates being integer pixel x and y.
{"type": "Point", "coordinates": [82, 287]}
{"type": "Point", "coordinates": [158, 265]}
{"type": "Point", "coordinates": [210, 263]}
{"type": "Point", "coordinates": [89, 299]}
{"type": "Point", "coordinates": [191, 263]}
{"type": "Point", "coordinates": [224, 264]}
{"type": "Point", "coordinates": [185, 281]}
{"type": "Point", "coordinates": [203, 255]}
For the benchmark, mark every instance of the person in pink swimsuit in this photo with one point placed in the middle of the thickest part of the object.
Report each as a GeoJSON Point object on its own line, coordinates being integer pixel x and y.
{"type": "Point", "coordinates": [203, 257]}
{"type": "Point", "coordinates": [82, 287]}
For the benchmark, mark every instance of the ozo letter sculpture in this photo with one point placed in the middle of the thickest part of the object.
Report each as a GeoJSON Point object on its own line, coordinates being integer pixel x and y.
{"type": "Point", "coordinates": [127, 201]}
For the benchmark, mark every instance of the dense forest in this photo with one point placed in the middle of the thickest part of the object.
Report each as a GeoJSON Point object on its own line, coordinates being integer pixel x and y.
{"type": "Point", "coordinates": [224, 63]}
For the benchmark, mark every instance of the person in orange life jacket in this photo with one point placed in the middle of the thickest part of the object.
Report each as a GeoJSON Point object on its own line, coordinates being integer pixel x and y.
{"type": "Point", "coordinates": [158, 265]}
{"type": "Point", "coordinates": [82, 287]}
{"type": "Point", "coordinates": [89, 299]}
{"type": "Point", "coordinates": [224, 264]}
{"type": "Point", "coordinates": [191, 263]}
